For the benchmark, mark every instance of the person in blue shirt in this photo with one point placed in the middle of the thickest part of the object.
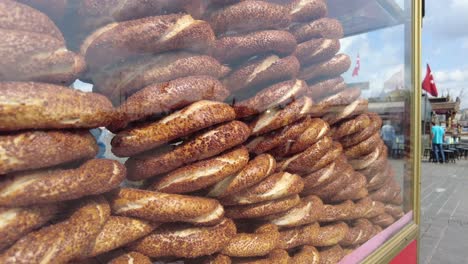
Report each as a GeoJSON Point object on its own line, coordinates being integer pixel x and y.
{"type": "Point", "coordinates": [388, 135]}
{"type": "Point", "coordinates": [437, 136]}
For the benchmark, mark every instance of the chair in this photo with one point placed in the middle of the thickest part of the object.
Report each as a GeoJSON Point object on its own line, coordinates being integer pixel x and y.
{"type": "Point", "coordinates": [449, 156]}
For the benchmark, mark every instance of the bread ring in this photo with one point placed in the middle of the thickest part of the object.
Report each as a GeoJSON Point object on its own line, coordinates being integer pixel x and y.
{"type": "Point", "coordinates": [48, 186]}
{"type": "Point", "coordinates": [167, 96]}
{"type": "Point", "coordinates": [20, 151]}
{"type": "Point", "coordinates": [334, 67]}
{"type": "Point", "coordinates": [328, 191]}
{"type": "Point", "coordinates": [354, 190]}
{"type": "Point", "coordinates": [263, 70]}
{"type": "Point", "coordinates": [186, 242]}
{"type": "Point", "coordinates": [277, 256]}
{"type": "Point", "coordinates": [359, 233]}
{"type": "Point", "coordinates": [301, 162]}
{"type": "Point", "coordinates": [20, 17]}
{"type": "Point", "coordinates": [214, 259]}
{"type": "Point", "coordinates": [388, 192]}
{"type": "Point", "coordinates": [328, 87]}
{"type": "Point", "coordinates": [331, 255]}
{"type": "Point", "coordinates": [275, 139]}
{"type": "Point", "coordinates": [203, 146]}
{"type": "Point", "coordinates": [276, 186]}
{"type": "Point", "coordinates": [204, 173]}
{"type": "Point", "coordinates": [307, 10]}
{"type": "Point", "coordinates": [262, 209]}
{"type": "Point", "coordinates": [275, 118]}
{"type": "Point", "coordinates": [378, 180]}
{"type": "Point", "coordinates": [17, 222]}
{"type": "Point", "coordinates": [249, 16]}
{"type": "Point", "coordinates": [394, 210]}
{"type": "Point", "coordinates": [260, 243]}
{"type": "Point", "coordinates": [363, 148]}
{"type": "Point", "coordinates": [355, 108]}
{"type": "Point", "coordinates": [317, 129]}
{"type": "Point", "coordinates": [195, 117]}
{"type": "Point", "coordinates": [307, 212]}
{"type": "Point", "coordinates": [123, 79]}
{"type": "Point", "coordinates": [130, 258]}
{"type": "Point", "coordinates": [320, 177]}
{"type": "Point", "coordinates": [230, 49]}
{"type": "Point", "coordinates": [384, 220]}
{"type": "Point", "coordinates": [377, 165]}
{"type": "Point", "coordinates": [306, 255]}
{"type": "Point", "coordinates": [46, 106]}
{"type": "Point", "coordinates": [298, 236]}
{"type": "Point", "coordinates": [321, 28]}
{"type": "Point", "coordinates": [330, 235]}
{"type": "Point", "coordinates": [366, 208]}
{"type": "Point", "coordinates": [316, 50]}
{"type": "Point", "coordinates": [254, 172]}
{"type": "Point", "coordinates": [276, 95]}
{"type": "Point", "coordinates": [343, 98]}
{"type": "Point", "coordinates": [338, 212]}
{"type": "Point", "coordinates": [367, 160]}
{"type": "Point", "coordinates": [128, 230]}
{"type": "Point", "coordinates": [161, 207]}
{"type": "Point", "coordinates": [352, 126]}
{"type": "Point", "coordinates": [397, 200]}
{"type": "Point", "coordinates": [64, 241]}
{"type": "Point", "coordinates": [333, 154]}
{"type": "Point", "coordinates": [119, 41]}
{"type": "Point", "coordinates": [364, 134]}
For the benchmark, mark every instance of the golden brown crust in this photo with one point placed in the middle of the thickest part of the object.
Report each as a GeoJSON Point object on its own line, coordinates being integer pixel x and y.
{"type": "Point", "coordinates": [316, 131]}
{"type": "Point", "coordinates": [202, 146]}
{"type": "Point", "coordinates": [167, 96]}
{"type": "Point", "coordinates": [163, 207]}
{"type": "Point", "coordinates": [338, 212]}
{"type": "Point", "coordinates": [259, 243]}
{"type": "Point", "coordinates": [377, 166]}
{"type": "Point", "coordinates": [357, 107]}
{"type": "Point", "coordinates": [320, 89]}
{"type": "Point", "coordinates": [360, 232]}
{"type": "Point", "coordinates": [123, 79]}
{"type": "Point", "coordinates": [277, 256]}
{"type": "Point", "coordinates": [64, 241]}
{"type": "Point", "coordinates": [131, 258]}
{"type": "Point", "coordinates": [364, 147]}
{"type": "Point", "coordinates": [384, 220]}
{"type": "Point", "coordinates": [367, 132]}
{"type": "Point", "coordinates": [343, 98]}
{"type": "Point", "coordinates": [280, 137]}
{"type": "Point", "coordinates": [17, 222]}
{"type": "Point", "coordinates": [195, 117]}
{"type": "Point", "coordinates": [320, 177]}
{"type": "Point", "coordinates": [352, 126]}
{"type": "Point", "coordinates": [187, 242]}
{"type": "Point", "coordinates": [19, 17]}
{"type": "Point", "coordinates": [203, 174]}
{"type": "Point", "coordinates": [119, 231]}
{"type": "Point", "coordinates": [306, 255]}
{"type": "Point", "coordinates": [275, 118]}
{"type": "Point", "coordinates": [394, 210]}
{"type": "Point", "coordinates": [213, 259]}
{"type": "Point", "coordinates": [27, 105]}
{"type": "Point", "coordinates": [367, 160]}
{"type": "Point", "coordinates": [276, 186]}
{"type": "Point", "coordinates": [276, 95]}
{"type": "Point", "coordinates": [354, 190]}
{"type": "Point", "coordinates": [308, 211]}
{"type": "Point", "coordinates": [301, 162]}
{"type": "Point", "coordinates": [388, 192]}
{"type": "Point", "coordinates": [298, 236]}
{"type": "Point", "coordinates": [330, 235]}
{"type": "Point", "coordinates": [255, 171]}
{"type": "Point", "coordinates": [316, 50]}
{"type": "Point", "coordinates": [321, 28]}
{"type": "Point", "coordinates": [331, 255]}
{"type": "Point", "coordinates": [307, 10]}
{"type": "Point", "coordinates": [329, 190]}
{"type": "Point", "coordinates": [249, 16]}
{"type": "Point", "coordinates": [118, 41]}
{"type": "Point", "coordinates": [334, 67]}
{"type": "Point", "coordinates": [261, 71]}
{"type": "Point", "coordinates": [20, 151]}
{"type": "Point", "coordinates": [262, 209]}
{"type": "Point", "coordinates": [94, 177]}
{"type": "Point", "coordinates": [230, 49]}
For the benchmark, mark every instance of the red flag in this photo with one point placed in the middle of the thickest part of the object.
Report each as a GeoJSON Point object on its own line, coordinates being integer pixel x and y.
{"type": "Point", "coordinates": [357, 67]}
{"type": "Point", "coordinates": [428, 84]}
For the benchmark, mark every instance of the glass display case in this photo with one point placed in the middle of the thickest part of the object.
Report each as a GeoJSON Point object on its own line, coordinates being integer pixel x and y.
{"type": "Point", "coordinates": [209, 131]}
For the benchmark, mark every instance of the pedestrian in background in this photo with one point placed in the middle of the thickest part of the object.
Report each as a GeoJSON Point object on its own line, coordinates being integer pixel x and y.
{"type": "Point", "coordinates": [387, 134]}
{"type": "Point", "coordinates": [437, 138]}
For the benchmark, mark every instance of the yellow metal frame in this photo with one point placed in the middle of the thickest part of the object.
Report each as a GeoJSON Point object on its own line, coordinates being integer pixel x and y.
{"type": "Point", "coordinates": [399, 241]}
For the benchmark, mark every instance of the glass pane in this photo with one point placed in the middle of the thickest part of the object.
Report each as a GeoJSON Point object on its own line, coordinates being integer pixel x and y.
{"type": "Point", "coordinates": [190, 131]}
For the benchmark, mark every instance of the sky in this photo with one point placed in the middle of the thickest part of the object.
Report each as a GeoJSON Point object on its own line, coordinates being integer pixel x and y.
{"type": "Point", "coordinates": [444, 41]}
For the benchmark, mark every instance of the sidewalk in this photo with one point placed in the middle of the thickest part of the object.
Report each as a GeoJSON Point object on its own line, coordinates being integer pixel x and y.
{"type": "Point", "coordinates": [444, 213]}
